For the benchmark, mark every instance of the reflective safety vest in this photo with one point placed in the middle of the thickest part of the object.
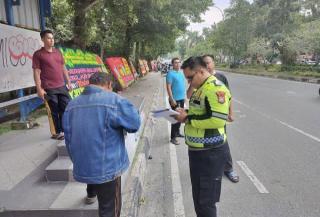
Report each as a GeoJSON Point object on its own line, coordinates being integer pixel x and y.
{"type": "Point", "coordinates": [207, 115]}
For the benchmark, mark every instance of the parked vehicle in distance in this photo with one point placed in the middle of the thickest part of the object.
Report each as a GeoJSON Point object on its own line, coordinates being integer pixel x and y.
{"type": "Point", "coordinates": [165, 67]}
{"type": "Point", "coordinates": [311, 62]}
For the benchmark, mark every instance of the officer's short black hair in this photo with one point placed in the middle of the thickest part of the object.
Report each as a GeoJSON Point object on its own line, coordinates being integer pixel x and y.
{"type": "Point", "coordinates": [100, 78]}
{"type": "Point", "coordinates": [193, 62]}
{"type": "Point", "coordinates": [44, 32]}
{"type": "Point", "coordinates": [208, 55]}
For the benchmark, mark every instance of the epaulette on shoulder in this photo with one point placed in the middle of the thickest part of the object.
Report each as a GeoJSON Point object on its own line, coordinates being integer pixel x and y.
{"type": "Point", "coordinates": [217, 83]}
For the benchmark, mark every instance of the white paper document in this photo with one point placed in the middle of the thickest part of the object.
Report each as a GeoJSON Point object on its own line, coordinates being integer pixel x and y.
{"type": "Point", "coordinates": [166, 114]}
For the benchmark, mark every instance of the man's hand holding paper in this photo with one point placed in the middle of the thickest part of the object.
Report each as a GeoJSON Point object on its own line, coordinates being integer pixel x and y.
{"type": "Point", "coordinates": [182, 116]}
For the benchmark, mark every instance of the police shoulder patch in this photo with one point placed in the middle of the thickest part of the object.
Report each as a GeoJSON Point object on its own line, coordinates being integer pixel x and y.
{"type": "Point", "coordinates": [221, 97]}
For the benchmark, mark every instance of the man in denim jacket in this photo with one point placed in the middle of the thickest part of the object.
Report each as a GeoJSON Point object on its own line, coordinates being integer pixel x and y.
{"type": "Point", "coordinates": [95, 123]}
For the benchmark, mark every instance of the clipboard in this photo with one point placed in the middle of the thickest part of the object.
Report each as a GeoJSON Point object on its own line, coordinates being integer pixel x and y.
{"type": "Point", "coordinates": [166, 114]}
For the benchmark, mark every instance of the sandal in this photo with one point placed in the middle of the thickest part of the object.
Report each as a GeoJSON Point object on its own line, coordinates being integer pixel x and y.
{"type": "Point", "coordinates": [60, 137]}
{"type": "Point", "coordinates": [232, 176]}
{"type": "Point", "coordinates": [55, 136]}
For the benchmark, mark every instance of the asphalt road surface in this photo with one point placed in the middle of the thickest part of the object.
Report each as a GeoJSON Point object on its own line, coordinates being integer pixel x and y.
{"type": "Point", "coordinates": [275, 145]}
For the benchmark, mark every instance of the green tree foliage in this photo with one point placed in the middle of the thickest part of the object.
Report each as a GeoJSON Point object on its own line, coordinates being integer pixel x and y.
{"type": "Point", "coordinates": [187, 42]}
{"type": "Point", "coordinates": [61, 21]}
{"type": "Point", "coordinates": [259, 49]}
{"type": "Point", "coordinates": [237, 29]}
{"type": "Point", "coordinates": [264, 30]}
{"type": "Point", "coordinates": [314, 6]}
{"type": "Point", "coordinates": [146, 28]}
{"type": "Point", "coordinates": [307, 40]}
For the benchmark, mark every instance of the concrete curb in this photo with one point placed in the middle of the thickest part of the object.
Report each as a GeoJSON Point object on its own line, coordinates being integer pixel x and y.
{"type": "Point", "coordinates": [133, 193]}
{"type": "Point", "coordinates": [135, 181]}
{"type": "Point", "coordinates": [284, 77]}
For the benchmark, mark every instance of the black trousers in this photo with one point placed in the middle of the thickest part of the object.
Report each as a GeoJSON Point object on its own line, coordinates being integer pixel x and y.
{"type": "Point", "coordinates": [58, 99]}
{"type": "Point", "coordinates": [109, 197]}
{"type": "Point", "coordinates": [229, 165]}
{"type": "Point", "coordinates": [175, 128]}
{"type": "Point", "coordinates": [206, 169]}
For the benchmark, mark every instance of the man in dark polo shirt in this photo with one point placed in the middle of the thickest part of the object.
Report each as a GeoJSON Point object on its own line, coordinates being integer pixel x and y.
{"type": "Point", "coordinates": [52, 80]}
{"type": "Point", "coordinates": [228, 169]}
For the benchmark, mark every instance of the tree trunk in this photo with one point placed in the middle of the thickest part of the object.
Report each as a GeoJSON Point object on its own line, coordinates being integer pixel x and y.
{"type": "Point", "coordinates": [80, 34]}
{"type": "Point", "coordinates": [138, 54]}
{"type": "Point", "coordinates": [102, 50]}
{"type": "Point", "coordinates": [127, 42]}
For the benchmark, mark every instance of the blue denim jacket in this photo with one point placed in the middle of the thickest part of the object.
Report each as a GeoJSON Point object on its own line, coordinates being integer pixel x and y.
{"type": "Point", "coordinates": [94, 125]}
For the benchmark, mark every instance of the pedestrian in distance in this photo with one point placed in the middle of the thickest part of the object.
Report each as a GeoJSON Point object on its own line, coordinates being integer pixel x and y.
{"type": "Point", "coordinates": [176, 89]}
{"type": "Point", "coordinates": [95, 124]}
{"type": "Point", "coordinates": [205, 134]}
{"type": "Point", "coordinates": [52, 80]}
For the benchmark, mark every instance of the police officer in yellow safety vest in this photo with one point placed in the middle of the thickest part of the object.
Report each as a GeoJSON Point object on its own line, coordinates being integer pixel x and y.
{"type": "Point", "coordinates": [205, 134]}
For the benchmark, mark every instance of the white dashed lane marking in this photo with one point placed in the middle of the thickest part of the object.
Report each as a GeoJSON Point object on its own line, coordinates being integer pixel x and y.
{"type": "Point", "coordinates": [279, 121]}
{"type": "Point", "coordinates": [253, 178]}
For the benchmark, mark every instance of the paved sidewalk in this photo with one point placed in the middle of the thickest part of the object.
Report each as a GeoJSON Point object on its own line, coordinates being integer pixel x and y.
{"type": "Point", "coordinates": [23, 151]}
{"type": "Point", "coordinates": [25, 154]}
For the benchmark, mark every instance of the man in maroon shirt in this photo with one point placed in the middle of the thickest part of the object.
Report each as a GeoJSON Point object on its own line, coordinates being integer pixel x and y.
{"type": "Point", "coordinates": [52, 79]}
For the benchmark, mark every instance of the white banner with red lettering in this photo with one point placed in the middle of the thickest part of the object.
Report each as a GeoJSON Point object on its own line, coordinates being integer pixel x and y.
{"type": "Point", "coordinates": [17, 46]}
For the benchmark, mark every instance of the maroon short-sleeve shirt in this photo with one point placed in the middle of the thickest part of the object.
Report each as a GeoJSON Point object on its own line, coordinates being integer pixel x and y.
{"type": "Point", "coordinates": [51, 65]}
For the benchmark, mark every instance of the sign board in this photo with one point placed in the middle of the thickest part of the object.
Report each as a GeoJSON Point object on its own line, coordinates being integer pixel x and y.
{"type": "Point", "coordinates": [145, 62]}
{"type": "Point", "coordinates": [81, 65]}
{"type": "Point", "coordinates": [128, 70]}
{"type": "Point", "coordinates": [119, 71]}
{"type": "Point", "coordinates": [17, 46]}
{"type": "Point", "coordinates": [142, 68]}
{"type": "Point", "coordinates": [133, 70]}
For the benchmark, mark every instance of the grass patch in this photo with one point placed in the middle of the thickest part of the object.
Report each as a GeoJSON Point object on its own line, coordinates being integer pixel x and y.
{"type": "Point", "coordinates": [275, 70]}
{"type": "Point", "coordinates": [39, 112]}
{"type": "Point", "coordinates": [5, 127]}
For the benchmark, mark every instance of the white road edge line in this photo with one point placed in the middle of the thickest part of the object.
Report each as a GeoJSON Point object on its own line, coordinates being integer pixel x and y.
{"type": "Point", "coordinates": [253, 178]}
{"type": "Point", "coordinates": [175, 176]}
{"type": "Point", "coordinates": [300, 131]}
{"type": "Point", "coordinates": [281, 122]}
{"type": "Point", "coordinates": [176, 183]}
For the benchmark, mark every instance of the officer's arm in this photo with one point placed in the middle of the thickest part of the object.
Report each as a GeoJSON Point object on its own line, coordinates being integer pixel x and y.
{"type": "Point", "coordinates": [230, 116]}
{"type": "Point", "coordinates": [214, 117]}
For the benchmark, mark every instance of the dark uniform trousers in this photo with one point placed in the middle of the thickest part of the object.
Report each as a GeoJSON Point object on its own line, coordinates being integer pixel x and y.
{"type": "Point", "coordinates": [109, 197]}
{"type": "Point", "coordinates": [175, 128]}
{"type": "Point", "coordinates": [229, 165]}
{"type": "Point", "coordinates": [58, 99]}
{"type": "Point", "coordinates": [206, 169]}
